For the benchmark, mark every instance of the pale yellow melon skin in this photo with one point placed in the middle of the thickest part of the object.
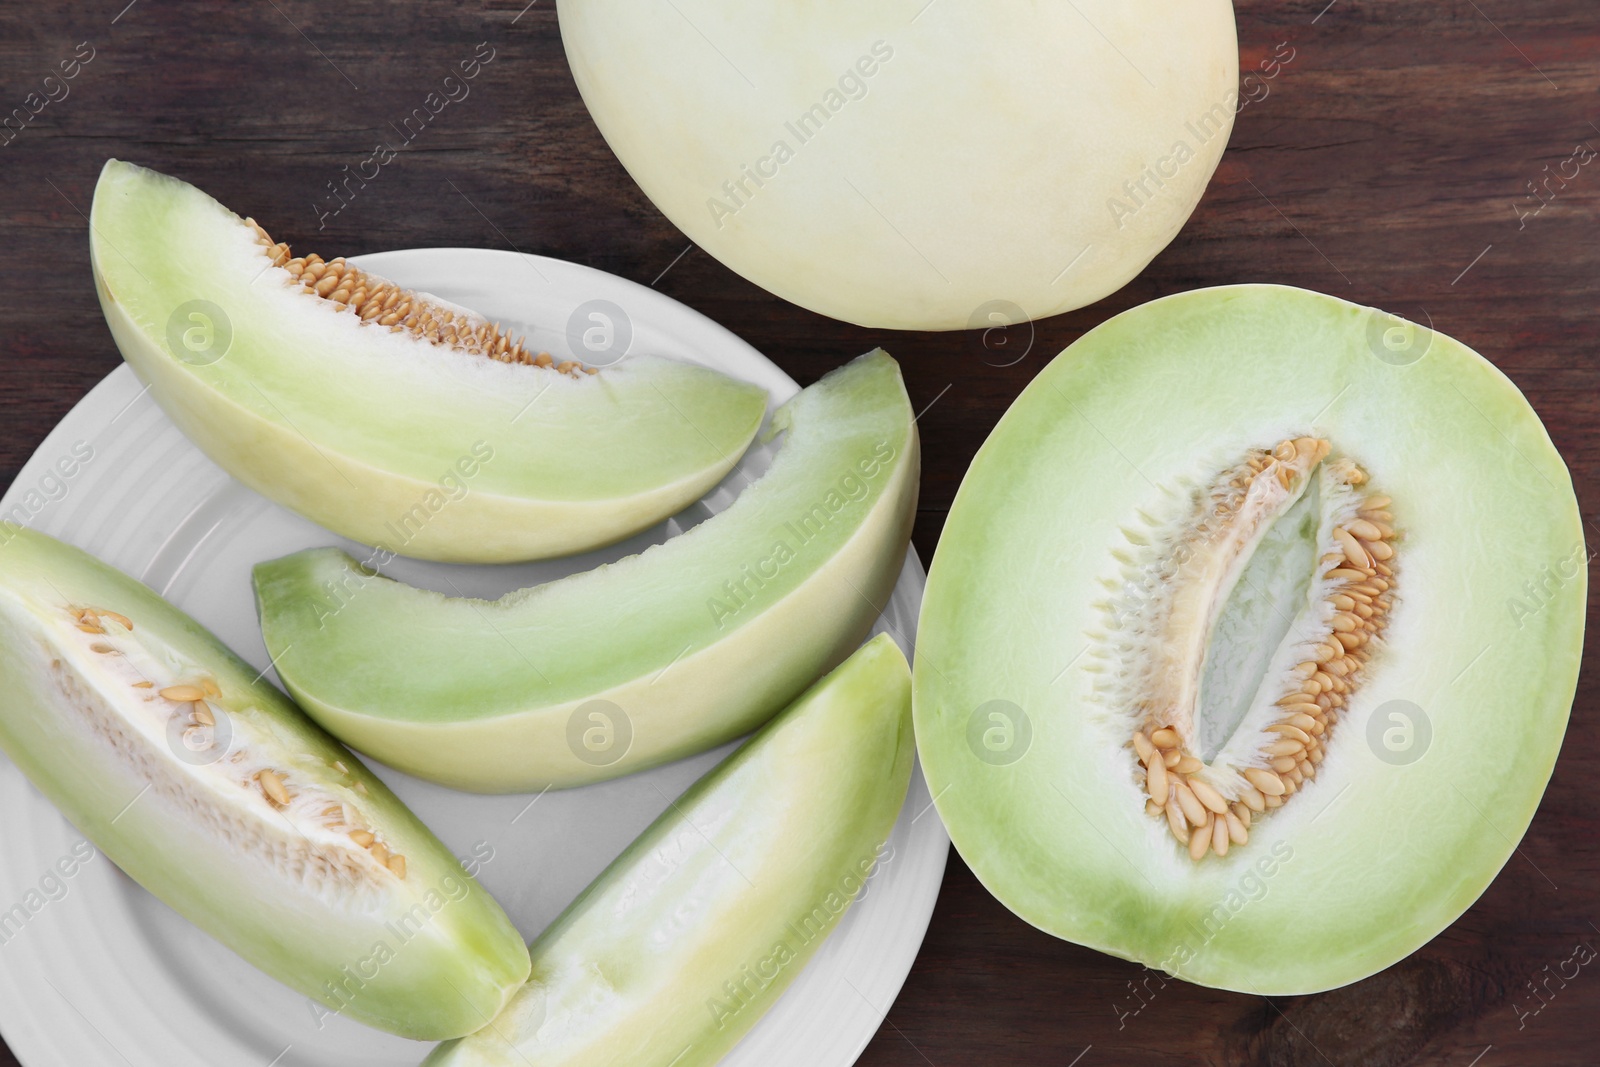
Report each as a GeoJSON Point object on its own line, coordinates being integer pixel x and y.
{"type": "Point", "coordinates": [988, 167]}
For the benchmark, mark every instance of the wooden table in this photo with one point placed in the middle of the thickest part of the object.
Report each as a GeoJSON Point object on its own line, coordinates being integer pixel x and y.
{"type": "Point", "coordinates": [1388, 163]}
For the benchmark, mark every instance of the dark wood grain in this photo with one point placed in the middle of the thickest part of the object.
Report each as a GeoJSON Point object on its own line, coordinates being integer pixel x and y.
{"type": "Point", "coordinates": [1385, 164]}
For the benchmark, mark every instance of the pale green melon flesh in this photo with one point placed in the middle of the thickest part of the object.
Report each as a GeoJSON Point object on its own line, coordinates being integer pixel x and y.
{"type": "Point", "coordinates": [1372, 858]}
{"type": "Point", "coordinates": [674, 952]}
{"type": "Point", "coordinates": [427, 955]}
{"type": "Point", "coordinates": [692, 642]}
{"type": "Point", "coordinates": [357, 427]}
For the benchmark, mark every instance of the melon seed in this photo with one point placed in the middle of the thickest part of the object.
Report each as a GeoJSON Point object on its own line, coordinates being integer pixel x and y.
{"type": "Point", "coordinates": [272, 786]}
{"type": "Point", "coordinates": [1355, 573]}
{"type": "Point", "coordinates": [379, 303]}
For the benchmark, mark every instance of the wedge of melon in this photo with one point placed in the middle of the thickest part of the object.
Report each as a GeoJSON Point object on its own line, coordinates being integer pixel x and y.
{"type": "Point", "coordinates": [1251, 638]}
{"type": "Point", "coordinates": [655, 657]}
{"type": "Point", "coordinates": [387, 416]}
{"type": "Point", "coordinates": [215, 793]}
{"type": "Point", "coordinates": [681, 945]}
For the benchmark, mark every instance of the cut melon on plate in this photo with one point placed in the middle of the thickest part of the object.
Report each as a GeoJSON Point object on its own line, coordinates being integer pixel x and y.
{"type": "Point", "coordinates": [655, 657]}
{"type": "Point", "coordinates": [211, 790]}
{"type": "Point", "coordinates": [392, 417]}
{"type": "Point", "coordinates": [685, 941]}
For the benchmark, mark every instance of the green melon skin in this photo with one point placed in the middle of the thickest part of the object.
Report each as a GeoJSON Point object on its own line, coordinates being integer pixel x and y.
{"type": "Point", "coordinates": [1371, 859]}
{"type": "Point", "coordinates": [429, 956]}
{"type": "Point", "coordinates": [655, 657]}
{"type": "Point", "coordinates": [369, 432]}
{"type": "Point", "coordinates": [680, 946]}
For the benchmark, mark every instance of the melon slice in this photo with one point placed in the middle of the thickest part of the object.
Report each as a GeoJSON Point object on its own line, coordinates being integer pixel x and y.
{"type": "Point", "coordinates": [660, 655]}
{"type": "Point", "coordinates": [387, 416]}
{"type": "Point", "coordinates": [215, 793]}
{"type": "Point", "coordinates": [684, 942]}
{"type": "Point", "coordinates": [1250, 641]}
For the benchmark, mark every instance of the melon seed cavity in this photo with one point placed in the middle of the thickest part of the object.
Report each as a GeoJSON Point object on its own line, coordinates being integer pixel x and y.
{"type": "Point", "coordinates": [299, 798]}
{"type": "Point", "coordinates": [381, 303]}
{"type": "Point", "coordinates": [1163, 645]}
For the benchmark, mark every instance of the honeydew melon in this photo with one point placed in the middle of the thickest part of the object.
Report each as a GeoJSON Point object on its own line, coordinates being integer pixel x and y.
{"type": "Point", "coordinates": [918, 165]}
{"type": "Point", "coordinates": [392, 417]}
{"type": "Point", "coordinates": [1260, 687]}
{"type": "Point", "coordinates": [211, 790]}
{"type": "Point", "coordinates": [678, 948]}
{"type": "Point", "coordinates": [682, 647]}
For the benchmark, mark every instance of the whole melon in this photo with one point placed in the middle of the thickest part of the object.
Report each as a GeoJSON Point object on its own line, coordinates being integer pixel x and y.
{"type": "Point", "coordinates": [916, 165]}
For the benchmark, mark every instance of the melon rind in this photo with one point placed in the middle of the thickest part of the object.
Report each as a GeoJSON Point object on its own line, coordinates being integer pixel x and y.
{"type": "Point", "coordinates": [483, 695]}
{"type": "Point", "coordinates": [678, 948]}
{"type": "Point", "coordinates": [1370, 860]}
{"type": "Point", "coordinates": [369, 432]}
{"type": "Point", "coordinates": [919, 166]}
{"type": "Point", "coordinates": [449, 956]}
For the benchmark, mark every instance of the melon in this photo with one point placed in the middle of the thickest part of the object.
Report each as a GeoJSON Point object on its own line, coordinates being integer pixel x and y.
{"type": "Point", "coordinates": [687, 645]}
{"type": "Point", "coordinates": [1251, 639]}
{"type": "Point", "coordinates": [678, 948]}
{"type": "Point", "coordinates": [211, 790]}
{"type": "Point", "coordinates": [388, 416]}
{"type": "Point", "coordinates": [919, 166]}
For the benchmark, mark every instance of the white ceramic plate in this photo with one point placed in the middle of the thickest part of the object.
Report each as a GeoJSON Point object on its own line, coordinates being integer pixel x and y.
{"type": "Point", "coordinates": [93, 970]}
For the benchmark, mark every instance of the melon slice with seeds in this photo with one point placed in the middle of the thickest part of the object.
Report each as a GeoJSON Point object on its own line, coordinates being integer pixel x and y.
{"type": "Point", "coordinates": [1251, 638]}
{"type": "Point", "coordinates": [655, 657]}
{"type": "Point", "coordinates": [389, 416]}
{"type": "Point", "coordinates": [211, 790]}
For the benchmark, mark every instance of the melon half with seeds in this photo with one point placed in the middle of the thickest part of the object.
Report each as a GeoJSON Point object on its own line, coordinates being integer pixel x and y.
{"type": "Point", "coordinates": [211, 790]}
{"type": "Point", "coordinates": [370, 409]}
{"type": "Point", "coordinates": [1260, 687]}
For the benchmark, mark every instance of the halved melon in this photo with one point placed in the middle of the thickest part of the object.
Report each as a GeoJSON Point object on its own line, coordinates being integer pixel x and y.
{"type": "Point", "coordinates": [215, 793]}
{"type": "Point", "coordinates": [660, 655]}
{"type": "Point", "coordinates": [684, 942]}
{"type": "Point", "coordinates": [1251, 638]}
{"type": "Point", "coordinates": [393, 417]}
